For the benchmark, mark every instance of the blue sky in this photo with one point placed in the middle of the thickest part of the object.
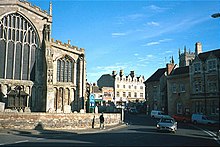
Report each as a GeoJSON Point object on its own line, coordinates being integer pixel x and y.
{"type": "Point", "coordinates": [133, 35]}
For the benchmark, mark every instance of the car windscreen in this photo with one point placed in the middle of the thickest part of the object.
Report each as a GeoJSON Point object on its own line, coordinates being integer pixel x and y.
{"type": "Point", "coordinates": [166, 120]}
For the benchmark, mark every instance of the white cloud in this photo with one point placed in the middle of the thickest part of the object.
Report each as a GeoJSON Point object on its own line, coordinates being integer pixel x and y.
{"type": "Point", "coordinates": [178, 26]}
{"type": "Point", "coordinates": [148, 58]}
{"type": "Point", "coordinates": [157, 42]}
{"type": "Point", "coordinates": [168, 51]}
{"type": "Point", "coordinates": [152, 23]}
{"type": "Point", "coordinates": [165, 40]}
{"type": "Point", "coordinates": [152, 43]}
{"type": "Point", "coordinates": [155, 8]}
{"type": "Point", "coordinates": [118, 34]}
{"type": "Point", "coordinates": [134, 16]}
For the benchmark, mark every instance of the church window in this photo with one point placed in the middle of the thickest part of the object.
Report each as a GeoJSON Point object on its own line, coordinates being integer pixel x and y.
{"type": "Point", "coordinates": [17, 57]}
{"type": "Point", "coordinates": [64, 69]}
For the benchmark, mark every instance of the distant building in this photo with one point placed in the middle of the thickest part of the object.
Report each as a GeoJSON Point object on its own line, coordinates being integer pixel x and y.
{"type": "Point", "coordinates": [186, 58]}
{"type": "Point", "coordinates": [156, 88]}
{"type": "Point", "coordinates": [128, 88]}
{"type": "Point", "coordinates": [37, 72]}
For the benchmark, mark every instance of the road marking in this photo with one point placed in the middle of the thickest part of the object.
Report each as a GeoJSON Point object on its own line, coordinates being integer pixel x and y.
{"type": "Point", "coordinates": [210, 133]}
{"type": "Point", "coordinates": [21, 141]}
{"type": "Point", "coordinates": [213, 135]}
{"type": "Point", "coordinates": [40, 138]}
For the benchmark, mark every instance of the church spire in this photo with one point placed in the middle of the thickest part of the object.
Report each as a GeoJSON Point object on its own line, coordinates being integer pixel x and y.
{"type": "Point", "coordinates": [172, 61]}
{"type": "Point", "coordinates": [50, 9]}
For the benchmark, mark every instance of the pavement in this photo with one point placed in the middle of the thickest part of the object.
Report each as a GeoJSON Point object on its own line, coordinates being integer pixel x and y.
{"type": "Point", "coordinates": [58, 131]}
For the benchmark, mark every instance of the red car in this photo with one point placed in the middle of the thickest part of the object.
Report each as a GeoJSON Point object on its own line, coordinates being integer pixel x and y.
{"type": "Point", "coordinates": [182, 118]}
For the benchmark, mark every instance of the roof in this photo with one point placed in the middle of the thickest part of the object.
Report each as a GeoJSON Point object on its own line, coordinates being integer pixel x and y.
{"type": "Point", "coordinates": [157, 75]}
{"type": "Point", "coordinates": [180, 70]}
{"type": "Point", "coordinates": [205, 55]}
{"type": "Point", "coordinates": [96, 89]}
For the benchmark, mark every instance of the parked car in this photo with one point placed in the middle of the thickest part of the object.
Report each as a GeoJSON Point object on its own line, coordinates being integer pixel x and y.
{"type": "Point", "coordinates": [158, 114]}
{"type": "Point", "coordinates": [202, 119]}
{"type": "Point", "coordinates": [167, 124]}
{"type": "Point", "coordinates": [182, 118]}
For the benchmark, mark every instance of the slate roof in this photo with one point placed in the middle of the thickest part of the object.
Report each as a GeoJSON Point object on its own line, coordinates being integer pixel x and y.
{"type": "Point", "coordinates": [156, 76]}
{"type": "Point", "coordinates": [180, 70]}
{"type": "Point", "coordinates": [204, 56]}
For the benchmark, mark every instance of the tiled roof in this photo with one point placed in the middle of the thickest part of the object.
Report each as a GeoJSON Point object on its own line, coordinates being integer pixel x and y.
{"type": "Point", "coordinates": [157, 75]}
{"type": "Point", "coordinates": [180, 70]}
{"type": "Point", "coordinates": [205, 55]}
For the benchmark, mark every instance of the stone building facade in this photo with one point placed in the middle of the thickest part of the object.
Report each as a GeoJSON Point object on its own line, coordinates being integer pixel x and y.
{"type": "Point", "coordinates": [37, 72]}
{"type": "Point", "coordinates": [178, 92]}
{"type": "Point", "coordinates": [205, 82]}
{"type": "Point", "coordinates": [189, 89]}
{"type": "Point", "coordinates": [128, 88]}
{"type": "Point", "coordinates": [156, 89]}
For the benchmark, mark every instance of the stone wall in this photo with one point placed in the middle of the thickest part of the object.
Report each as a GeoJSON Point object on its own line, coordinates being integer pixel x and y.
{"type": "Point", "coordinates": [55, 121]}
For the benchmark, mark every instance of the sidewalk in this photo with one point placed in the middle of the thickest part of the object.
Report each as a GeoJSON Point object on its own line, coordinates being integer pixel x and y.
{"type": "Point", "coordinates": [59, 131]}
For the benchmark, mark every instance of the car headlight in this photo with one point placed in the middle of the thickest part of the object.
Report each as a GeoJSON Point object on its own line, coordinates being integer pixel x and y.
{"type": "Point", "coordinates": [158, 126]}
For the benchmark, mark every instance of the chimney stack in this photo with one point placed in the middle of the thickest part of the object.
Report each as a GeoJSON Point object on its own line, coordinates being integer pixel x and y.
{"type": "Point", "coordinates": [170, 67]}
{"type": "Point", "coordinates": [198, 48]}
{"type": "Point", "coordinates": [132, 73]}
{"type": "Point", "coordinates": [121, 72]}
{"type": "Point", "coordinates": [113, 73]}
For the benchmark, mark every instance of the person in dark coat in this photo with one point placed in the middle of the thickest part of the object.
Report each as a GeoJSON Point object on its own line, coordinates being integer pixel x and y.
{"type": "Point", "coordinates": [102, 120]}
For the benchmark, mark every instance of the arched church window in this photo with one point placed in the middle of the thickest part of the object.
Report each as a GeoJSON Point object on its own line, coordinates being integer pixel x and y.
{"type": "Point", "coordinates": [18, 44]}
{"type": "Point", "coordinates": [64, 69]}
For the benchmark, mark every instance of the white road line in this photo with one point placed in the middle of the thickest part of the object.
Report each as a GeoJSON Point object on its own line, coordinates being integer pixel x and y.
{"type": "Point", "coordinates": [210, 133]}
{"type": "Point", "coordinates": [21, 141]}
{"type": "Point", "coordinates": [40, 138]}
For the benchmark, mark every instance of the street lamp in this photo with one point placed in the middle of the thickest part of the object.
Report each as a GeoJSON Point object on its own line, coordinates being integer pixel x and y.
{"type": "Point", "coordinates": [217, 15]}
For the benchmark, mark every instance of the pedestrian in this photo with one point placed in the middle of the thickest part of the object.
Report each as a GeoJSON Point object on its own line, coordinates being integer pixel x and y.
{"type": "Point", "coordinates": [93, 122]}
{"type": "Point", "coordinates": [102, 120]}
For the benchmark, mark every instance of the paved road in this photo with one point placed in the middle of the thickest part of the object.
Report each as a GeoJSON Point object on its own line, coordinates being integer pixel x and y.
{"type": "Point", "coordinates": [140, 132]}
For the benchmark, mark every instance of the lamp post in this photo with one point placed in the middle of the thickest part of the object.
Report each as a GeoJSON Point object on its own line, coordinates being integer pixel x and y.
{"type": "Point", "coordinates": [217, 15]}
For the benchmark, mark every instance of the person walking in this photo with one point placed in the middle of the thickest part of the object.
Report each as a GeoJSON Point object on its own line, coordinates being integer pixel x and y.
{"type": "Point", "coordinates": [102, 121]}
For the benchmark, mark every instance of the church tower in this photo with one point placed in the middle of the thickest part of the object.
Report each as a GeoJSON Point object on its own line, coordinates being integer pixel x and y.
{"type": "Point", "coordinates": [185, 58]}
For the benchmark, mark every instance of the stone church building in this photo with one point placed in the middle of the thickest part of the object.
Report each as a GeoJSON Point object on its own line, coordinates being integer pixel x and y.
{"type": "Point", "coordinates": [36, 72]}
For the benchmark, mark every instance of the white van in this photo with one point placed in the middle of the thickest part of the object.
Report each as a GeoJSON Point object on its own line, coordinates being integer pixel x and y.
{"type": "Point", "coordinates": [158, 114]}
{"type": "Point", "coordinates": [202, 119]}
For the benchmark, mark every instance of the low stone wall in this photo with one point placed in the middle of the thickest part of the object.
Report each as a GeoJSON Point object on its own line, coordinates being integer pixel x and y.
{"type": "Point", "coordinates": [55, 121]}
